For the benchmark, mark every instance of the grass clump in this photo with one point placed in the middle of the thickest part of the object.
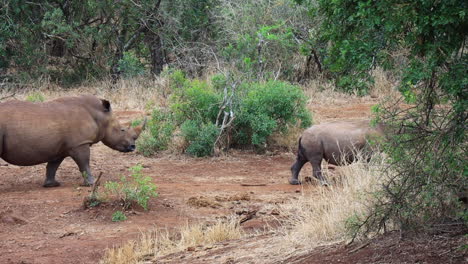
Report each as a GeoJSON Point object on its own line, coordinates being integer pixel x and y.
{"type": "Point", "coordinates": [35, 97]}
{"type": "Point", "coordinates": [118, 216]}
{"type": "Point", "coordinates": [329, 214]}
{"type": "Point", "coordinates": [151, 245]}
{"type": "Point", "coordinates": [137, 188]}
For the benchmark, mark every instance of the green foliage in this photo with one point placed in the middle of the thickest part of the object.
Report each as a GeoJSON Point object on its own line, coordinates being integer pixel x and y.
{"type": "Point", "coordinates": [267, 108]}
{"type": "Point", "coordinates": [130, 65]}
{"type": "Point", "coordinates": [257, 54]}
{"type": "Point", "coordinates": [200, 110]}
{"type": "Point", "coordinates": [158, 133]}
{"type": "Point", "coordinates": [79, 41]}
{"type": "Point", "coordinates": [195, 100]}
{"type": "Point", "coordinates": [137, 188]}
{"type": "Point", "coordinates": [118, 216]}
{"type": "Point", "coordinates": [201, 137]}
{"type": "Point", "coordinates": [427, 148]}
{"type": "Point", "coordinates": [35, 97]}
{"type": "Point", "coordinates": [177, 79]}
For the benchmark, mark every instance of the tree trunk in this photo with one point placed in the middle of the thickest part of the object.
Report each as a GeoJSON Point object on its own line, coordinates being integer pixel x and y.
{"type": "Point", "coordinates": [158, 58]}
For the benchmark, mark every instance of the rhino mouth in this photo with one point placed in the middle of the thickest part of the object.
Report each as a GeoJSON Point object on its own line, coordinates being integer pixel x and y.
{"type": "Point", "coordinates": [129, 148]}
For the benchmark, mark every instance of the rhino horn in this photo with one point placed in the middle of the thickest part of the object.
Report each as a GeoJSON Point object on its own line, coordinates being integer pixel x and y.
{"type": "Point", "coordinates": [141, 127]}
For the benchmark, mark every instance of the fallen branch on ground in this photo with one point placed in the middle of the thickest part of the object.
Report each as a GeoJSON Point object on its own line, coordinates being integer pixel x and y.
{"type": "Point", "coordinates": [8, 96]}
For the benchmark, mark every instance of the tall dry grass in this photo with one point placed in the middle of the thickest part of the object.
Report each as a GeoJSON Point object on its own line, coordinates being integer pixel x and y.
{"type": "Point", "coordinates": [151, 245]}
{"type": "Point", "coordinates": [320, 216]}
{"type": "Point", "coordinates": [138, 93]}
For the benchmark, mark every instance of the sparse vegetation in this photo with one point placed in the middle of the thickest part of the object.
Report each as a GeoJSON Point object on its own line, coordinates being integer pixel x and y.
{"type": "Point", "coordinates": [327, 215]}
{"type": "Point", "coordinates": [118, 216]}
{"type": "Point", "coordinates": [136, 188]}
{"type": "Point", "coordinates": [158, 243]}
{"type": "Point", "coordinates": [35, 97]}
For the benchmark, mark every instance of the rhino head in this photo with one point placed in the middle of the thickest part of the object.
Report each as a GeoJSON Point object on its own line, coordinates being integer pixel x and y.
{"type": "Point", "coordinates": [122, 137]}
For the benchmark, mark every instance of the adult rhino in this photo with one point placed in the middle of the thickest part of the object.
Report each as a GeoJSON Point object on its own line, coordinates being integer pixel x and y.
{"type": "Point", "coordinates": [335, 142]}
{"type": "Point", "coordinates": [35, 133]}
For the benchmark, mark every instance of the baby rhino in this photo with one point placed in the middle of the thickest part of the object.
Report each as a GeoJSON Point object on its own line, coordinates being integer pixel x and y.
{"type": "Point", "coordinates": [335, 142]}
{"type": "Point", "coordinates": [35, 133]}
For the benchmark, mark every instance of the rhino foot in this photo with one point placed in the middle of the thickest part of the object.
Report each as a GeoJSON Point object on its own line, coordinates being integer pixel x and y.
{"type": "Point", "coordinates": [294, 182]}
{"type": "Point", "coordinates": [87, 184]}
{"type": "Point", "coordinates": [51, 184]}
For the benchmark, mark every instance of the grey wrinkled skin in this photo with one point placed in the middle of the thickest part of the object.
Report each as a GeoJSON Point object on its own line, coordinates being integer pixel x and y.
{"type": "Point", "coordinates": [335, 142]}
{"type": "Point", "coordinates": [35, 133]}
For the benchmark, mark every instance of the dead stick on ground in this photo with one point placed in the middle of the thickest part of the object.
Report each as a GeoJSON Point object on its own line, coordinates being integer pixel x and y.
{"type": "Point", "coordinates": [253, 184]}
{"type": "Point", "coordinates": [358, 248]}
{"type": "Point", "coordinates": [8, 96]}
{"type": "Point", "coordinates": [95, 185]}
{"type": "Point", "coordinates": [249, 216]}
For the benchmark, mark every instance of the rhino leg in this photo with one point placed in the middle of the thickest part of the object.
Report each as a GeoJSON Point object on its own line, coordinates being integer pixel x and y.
{"type": "Point", "coordinates": [317, 171]}
{"type": "Point", "coordinates": [81, 157]}
{"type": "Point", "coordinates": [295, 169]}
{"type": "Point", "coordinates": [51, 169]}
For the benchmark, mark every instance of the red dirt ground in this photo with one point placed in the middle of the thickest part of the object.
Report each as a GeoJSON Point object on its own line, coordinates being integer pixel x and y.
{"type": "Point", "coordinates": [50, 225]}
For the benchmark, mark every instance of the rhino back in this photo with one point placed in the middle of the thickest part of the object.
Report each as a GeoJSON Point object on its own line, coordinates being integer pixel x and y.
{"type": "Point", "coordinates": [330, 140]}
{"type": "Point", "coordinates": [35, 133]}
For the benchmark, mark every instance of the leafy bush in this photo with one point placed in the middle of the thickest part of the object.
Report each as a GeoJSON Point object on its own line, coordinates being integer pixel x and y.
{"type": "Point", "coordinates": [118, 216]}
{"type": "Point", "coordinates": [134, 189]}
{"type": "Point", "coordinates": [158, 133]}
{"type": "Point", "coordinates": [243, 115]}
{"type": "Point", "coordinates": [130, 65]}
{"type": "Point", "coordinates": [201, 137]}
{"type": "Point", "coordinates": [267, 108]}
{"type": "Point", "coordinates": [195, 100]}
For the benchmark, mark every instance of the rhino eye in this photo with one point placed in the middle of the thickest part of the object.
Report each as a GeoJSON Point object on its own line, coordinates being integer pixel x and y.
{"type": "Point", "coordinates": [122, 129]}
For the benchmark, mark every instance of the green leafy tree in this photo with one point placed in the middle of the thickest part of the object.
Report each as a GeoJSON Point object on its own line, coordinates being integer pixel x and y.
{"type": "Point", "coordinates": [427, 148]}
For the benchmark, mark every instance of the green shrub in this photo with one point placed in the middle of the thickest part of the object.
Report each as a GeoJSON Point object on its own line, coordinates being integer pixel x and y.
{"type": "Point", "coordinates": [118, 216]}
{"type": "Point", "coordinates": [134, 189]}
{"type": "Point", "coordinates": [196, 100]}
{"type": "Point", "coordinates": [267, 108]}
{"type": "Point", "coordinates": [201, 137]}
{"type": "Point", "coordinates": [219, 81]}
{"type": "Point", "coordinates": [158, 133]}
{"type": "Point", "coordinates": [258, 109]}
{"type": "Point", "coordinates": [35, 97]}
{"type": "Point", "coordinates": [176, 78]}
{"type": "Point", "coordinates": [130, 65]}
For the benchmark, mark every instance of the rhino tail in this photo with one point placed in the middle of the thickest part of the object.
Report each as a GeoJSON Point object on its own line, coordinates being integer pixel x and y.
{"type": "Point", "coordinates": [301, 150]}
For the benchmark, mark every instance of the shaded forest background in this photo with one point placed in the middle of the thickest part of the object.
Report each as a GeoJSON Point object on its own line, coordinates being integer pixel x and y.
{"type": "Point", "coordinates": [72, 41]}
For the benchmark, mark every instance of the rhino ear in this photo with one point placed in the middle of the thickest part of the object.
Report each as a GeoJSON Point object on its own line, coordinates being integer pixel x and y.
{"type": "Point", "coordinates": [106, 105]}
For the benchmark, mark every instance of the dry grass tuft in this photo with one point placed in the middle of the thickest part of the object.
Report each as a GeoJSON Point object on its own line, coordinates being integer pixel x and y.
{"type": "Point", "coordinates": [158, 243]}
{"type": "Point", "coordinates": [320, 217]}
{"type": "Point", "coordinates": [288, 140]}
{"type": "Point", "coordinates": [383, 86]}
